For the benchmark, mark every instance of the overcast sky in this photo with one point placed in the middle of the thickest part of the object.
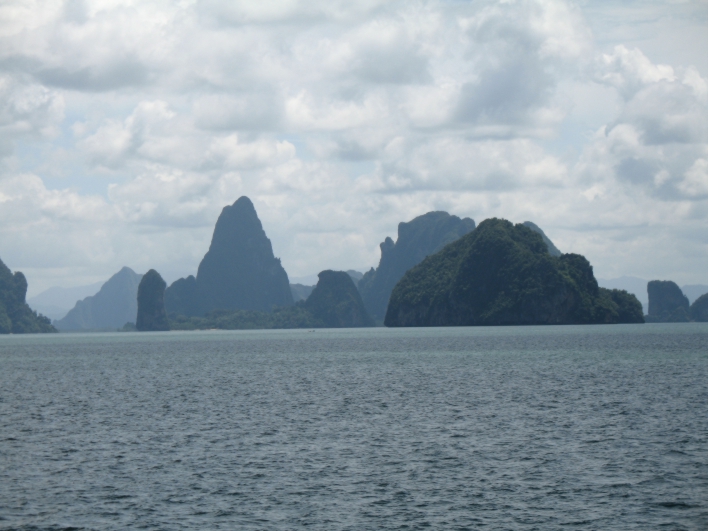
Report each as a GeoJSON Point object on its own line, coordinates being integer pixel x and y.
{"type": "Point", "coordinates": [125, 128]}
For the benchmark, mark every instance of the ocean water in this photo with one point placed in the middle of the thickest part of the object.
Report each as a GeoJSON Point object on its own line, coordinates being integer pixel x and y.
{"type": "Point", "coordinates": [593, 427]}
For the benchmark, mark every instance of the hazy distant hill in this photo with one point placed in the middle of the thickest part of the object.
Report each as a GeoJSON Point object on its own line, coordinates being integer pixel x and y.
{"type": "Point", "coordinates": [56, 302]}
{"type": "Point", "coordinates": [239, 272]}
{"type": "Point", "coordinates": [418, 238]}
{"type": "Point", "coordinates": [300, 291]}
{"type": "Point", "coordinates": [504, 274]}
{"type": "Point", "coordinates": [115, 304]}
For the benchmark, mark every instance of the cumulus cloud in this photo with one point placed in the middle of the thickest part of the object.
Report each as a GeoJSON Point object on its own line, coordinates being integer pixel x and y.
{"type": "Point", "coordinates": [125, 127]}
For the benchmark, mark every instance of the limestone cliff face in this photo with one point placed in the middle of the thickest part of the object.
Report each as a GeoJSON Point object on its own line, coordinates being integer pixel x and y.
{"type": "Point", "coordinates": [336, 302]}
{"type": "Point", "coordinates": [239, 272]}
{"type": "Point", "coordinates": [114, 305]}
{"type": "Point", "coordinates": [503, 274]}
{"type": "Point", "coordinates": [667, 303]}
{"type": "Point", "coordinates": [418, 238]}
{"type": "Point", "coordinates": [699, 309]}
{"type": "Point", "coordinates": [16, 317]}
{"type": "Point", "coordinates": [151, 304]}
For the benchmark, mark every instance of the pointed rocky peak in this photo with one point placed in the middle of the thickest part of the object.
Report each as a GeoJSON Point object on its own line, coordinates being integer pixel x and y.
{"type": "Point", "coordinates": [240, 271]}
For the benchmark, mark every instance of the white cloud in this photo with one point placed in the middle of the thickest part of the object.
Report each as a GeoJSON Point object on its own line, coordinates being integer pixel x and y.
{"type": "Point", "coordinates": [125, 127]}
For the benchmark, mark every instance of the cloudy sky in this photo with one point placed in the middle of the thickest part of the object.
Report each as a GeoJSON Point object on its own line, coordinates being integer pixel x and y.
{"type": "Point", "coordinates": [125, 127]}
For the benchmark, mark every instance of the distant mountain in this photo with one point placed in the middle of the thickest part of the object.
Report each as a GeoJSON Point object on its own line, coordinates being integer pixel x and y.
{"type": "Point", "coordinates": [300, 292]}
{"type": "Point", "coordinates": [634, 285]}
{"type": "Point", "coordinates": [239, 272]}
{"type": "Point", "coordinates": [504, 274]}
{"type": "Point", "coordinates": [114, 305]}
{"type": "Point", "coordinates": [336, 302]}
{"type": "Point", "coordinates": [356, 275]}
{"type": "Point", "coordinates": [418, 238]}
{"type": "Point", "coordinates": [56, 302]}
{"type": "Point", "coordinates": [693, 291]}
{"type": "Point", "coordinates": [16, 317]}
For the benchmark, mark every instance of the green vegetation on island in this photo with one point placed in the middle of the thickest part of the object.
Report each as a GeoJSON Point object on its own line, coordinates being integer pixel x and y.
{"type": "Point", "coordinates": [504, 274]}
{"type": "Point", "coordinates": [16, 317]}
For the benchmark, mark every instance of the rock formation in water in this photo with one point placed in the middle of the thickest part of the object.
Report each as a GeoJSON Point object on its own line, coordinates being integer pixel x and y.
{"type": "Point", "coordinates": [549, 244]}
{"type": "Point", "coordinates": [238, 272]}
{"type": "Point", "coordinates": [151, 304]}
{"type": "Point", "coordinates": [699, 309]}
{"type": "Point", "coordinates": [336, 302]}
{"type": "Point", "coordinates": [503, 274]}
{"type": "Point", "coordinates": [16, 317]}
{"type": "Point", "coordinates": [667, 303]}
{"type": "Point", "coordinates": [115, 304]}
{"type": "Point", "coordinates": [418, 238]}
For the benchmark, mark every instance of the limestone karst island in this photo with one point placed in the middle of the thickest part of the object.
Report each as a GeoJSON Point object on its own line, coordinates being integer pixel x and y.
{"type": "Point", "coordinates": [441, 271]}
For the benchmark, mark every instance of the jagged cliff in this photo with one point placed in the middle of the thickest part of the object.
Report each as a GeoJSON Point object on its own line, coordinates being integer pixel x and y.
{"type": "Point", "coordinates": [151, 304]}
{"type": "Point", "coordinates": [114, 305]}
{"type": "Point", "coordinates": [503, 274]}
{"type": "Point", "coordinates": [336, 302]}
{"type": "Point", "coordinates": [238, 272]}
{"type": "Point", "coordinates": [16, 317]}
{"type": "Point", "coordinates": [418, 238]}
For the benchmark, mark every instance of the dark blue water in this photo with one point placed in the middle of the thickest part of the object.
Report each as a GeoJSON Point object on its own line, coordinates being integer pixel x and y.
{"type": "Point", "coordinates": [468, 428]}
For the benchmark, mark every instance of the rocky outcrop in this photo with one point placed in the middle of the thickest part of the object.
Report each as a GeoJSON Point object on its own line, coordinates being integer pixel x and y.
{"type": "Point", "coordinates": [336, 302]}
{"type": "Point", "coordinates": [699, 309]}
{"type": "Point", "coordinates": [418, 238]}
{"type": "Point", "coordinates": [16, 317]}
{"type": "Point", "coordinates": [667, 303]}
{"type": "Point", "coordinates": [151, 304]}
{"type": "Point", "coordinates": [501, 274]}
{"type": "Point", "coordinates": [239, 272]}
{"type": "Point", "coordinates": [114, 305]}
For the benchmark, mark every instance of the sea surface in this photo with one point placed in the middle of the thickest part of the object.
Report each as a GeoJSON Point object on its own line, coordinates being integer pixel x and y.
{"type": "Point", "coordinates": [519, 428]}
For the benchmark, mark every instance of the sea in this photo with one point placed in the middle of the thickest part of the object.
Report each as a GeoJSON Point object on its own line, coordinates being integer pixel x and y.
{"type": "Point", "coordinates": [504, 428]}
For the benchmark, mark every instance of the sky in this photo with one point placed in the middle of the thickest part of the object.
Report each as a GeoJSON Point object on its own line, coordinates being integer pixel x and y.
{"type": "Point", "coordinates": [125, 128]}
